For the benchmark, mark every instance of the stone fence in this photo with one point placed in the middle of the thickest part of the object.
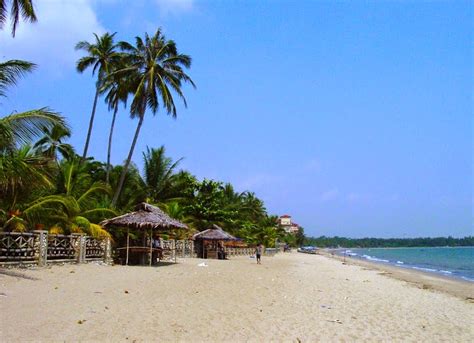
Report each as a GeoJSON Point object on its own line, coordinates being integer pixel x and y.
{"type": "Point", "coordinates": [40, 247]}
{"type": "Point", "coordinates": [239, 251]}
{"type": "Point", "coordinates": [172, 249]}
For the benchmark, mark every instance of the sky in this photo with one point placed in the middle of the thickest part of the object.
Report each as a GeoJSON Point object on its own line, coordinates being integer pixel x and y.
{"type": "Point", "coordinates": [354, 117]}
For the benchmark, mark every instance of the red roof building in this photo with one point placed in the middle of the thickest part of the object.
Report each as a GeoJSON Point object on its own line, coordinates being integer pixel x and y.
{"type": "Point", "coordinates": [287, 224]}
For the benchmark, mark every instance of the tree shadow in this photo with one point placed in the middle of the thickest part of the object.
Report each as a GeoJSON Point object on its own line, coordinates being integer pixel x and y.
{"type": "Point", "coordinates": [16, 274]}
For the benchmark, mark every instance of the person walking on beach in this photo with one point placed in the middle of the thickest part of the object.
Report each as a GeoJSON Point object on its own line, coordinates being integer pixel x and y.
{"type": "Point", "coordinates": [258, 253]}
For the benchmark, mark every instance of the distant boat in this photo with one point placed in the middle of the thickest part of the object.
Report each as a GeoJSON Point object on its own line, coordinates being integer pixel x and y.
{"type": "Point", "coordinates": [308, 250]}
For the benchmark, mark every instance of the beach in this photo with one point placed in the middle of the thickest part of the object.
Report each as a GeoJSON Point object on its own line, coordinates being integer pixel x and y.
{"type": "Point", "coordinates": [290, 297]}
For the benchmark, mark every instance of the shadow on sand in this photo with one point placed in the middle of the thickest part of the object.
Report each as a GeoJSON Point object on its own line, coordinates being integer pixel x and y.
{"type": "Point", "coordinates": [16, 274]}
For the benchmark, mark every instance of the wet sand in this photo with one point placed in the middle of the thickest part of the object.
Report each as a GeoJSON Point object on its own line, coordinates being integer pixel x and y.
{"type": "Point", "coordinates": [454, 286]}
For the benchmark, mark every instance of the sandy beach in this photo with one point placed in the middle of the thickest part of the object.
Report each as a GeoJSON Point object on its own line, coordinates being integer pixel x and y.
{"type": "Point", "coordinates": [290, 297]}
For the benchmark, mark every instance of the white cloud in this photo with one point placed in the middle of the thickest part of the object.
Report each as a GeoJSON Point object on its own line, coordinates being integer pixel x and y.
{"type": "Point", "coordinates": [50, 42]}
{"type": "Point", "coordinates": [174, 6]}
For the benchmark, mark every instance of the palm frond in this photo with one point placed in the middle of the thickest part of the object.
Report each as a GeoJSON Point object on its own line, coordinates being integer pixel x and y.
{"type": "Point", "coordinates": [11, 71]}
{"type": "Point", "coordinates": [23, 8]}
{"type": "Point", "coordinates": [22, 128]}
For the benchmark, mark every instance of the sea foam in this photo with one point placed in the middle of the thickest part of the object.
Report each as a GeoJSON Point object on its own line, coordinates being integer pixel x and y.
{"type": "Point", "coordinates": [371, 258]}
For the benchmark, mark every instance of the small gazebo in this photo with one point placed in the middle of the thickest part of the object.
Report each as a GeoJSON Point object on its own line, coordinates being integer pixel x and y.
{"type": "Point", "coordinates": [208, 242]}
{"type": "Point", "coordinates": [145, 217]}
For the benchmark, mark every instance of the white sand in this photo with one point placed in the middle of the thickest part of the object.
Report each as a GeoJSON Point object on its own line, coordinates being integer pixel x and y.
{"type": "Point", "coordinates": [289, 297]}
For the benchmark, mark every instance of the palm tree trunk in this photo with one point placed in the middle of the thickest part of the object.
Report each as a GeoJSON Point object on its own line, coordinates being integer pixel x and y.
{"type": "Point", "coordinates": [107, 176]}
{"type": "Point", "coordinates": [91, 123]}
{"type": "Point", "coordinates": [127, 163]}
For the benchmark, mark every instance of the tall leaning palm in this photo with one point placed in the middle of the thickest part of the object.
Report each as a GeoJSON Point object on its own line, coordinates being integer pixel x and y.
{"type": "Point", "coordinates": [23, 8]}
{"type": "Point", "coordinates": [117, 90]}
{"type": "Point", "coordinates": [155, 68]}
{"type": "Point", "coordinates": [101, 56]}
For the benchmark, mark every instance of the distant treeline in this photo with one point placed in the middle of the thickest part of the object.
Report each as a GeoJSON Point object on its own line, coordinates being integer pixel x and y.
{"type": "Point", "coordinates": [327, 242]}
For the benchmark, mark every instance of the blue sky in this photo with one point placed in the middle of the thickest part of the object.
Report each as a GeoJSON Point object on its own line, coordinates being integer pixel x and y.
{"type": "Point", "coordinates": [354, 117]}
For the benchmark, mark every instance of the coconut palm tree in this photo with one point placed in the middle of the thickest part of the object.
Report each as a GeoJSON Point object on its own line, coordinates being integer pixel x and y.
{"type": "Point", "coordinates": [101, 55]}
{"type": "Point", "coordinates": [23, 8]}
{"type": "Point", "coordinates": [253, 206]}
{"type": "Point", "coordinates": [22, 172]}
{"type": "Point", "coordinates": [117, 90]}
{"type": "Point", "coordinates": [159, 172]}
{"type": "Point", "coordinates": [156, 68]}
{"type": "Point", "coordinates": [74, 205]}
{"type": "Point", "coordinates": [23, 128]}
{"type": "Point", "coordinates": [133, 191]}
{"type": "Point", "coordinates": [67, 213]}
{"type": "Point", "coordinates": [11, 71]}
{"type": "Point", "coordinates": [52, 143]}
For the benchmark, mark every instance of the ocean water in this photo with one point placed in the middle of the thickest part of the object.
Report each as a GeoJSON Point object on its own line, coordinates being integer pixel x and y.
{"type": "Point", "coordinates": [455, 262]}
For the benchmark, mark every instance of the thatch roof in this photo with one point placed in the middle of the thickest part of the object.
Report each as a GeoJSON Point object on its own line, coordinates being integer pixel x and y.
{"type": "Point", "coordinates": [215, 233]}
{"type": "Point", "coordinates": [146, 216]}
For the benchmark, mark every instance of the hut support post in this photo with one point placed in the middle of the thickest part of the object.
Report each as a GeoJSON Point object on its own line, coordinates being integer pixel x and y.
{"type": "Point", "coordinates": [174, 250]}
{"type": "Point", "coordinates": [128, 244]}
{"type": "Point", "coordinates": [151, 245]}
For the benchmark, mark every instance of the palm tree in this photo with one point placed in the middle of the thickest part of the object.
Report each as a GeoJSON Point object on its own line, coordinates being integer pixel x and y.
{"type": "Point", "coordinates": [75, 204]}
{"type": "Point", "coordinates": [23, 8]}
{"type": "Point", "coordinates": [177, 211]}
{"type": "Point", "coordinates": [117, 92]}
{"type": "Point", "coordinates": [68, 213]}
{"type": "Point", "coordinates": [22, 172]}
{"type": "Point", "coordinates": [22, 128]}
{"type": "Point", "coordinates": [156, 68]}
{"type": "Point", "coordinates": [11, 71]}
{"type": "Point", "coordinates": [134, 188]}
{"type": "Point", "coordinates": [159, 172]}
{"type": "Point", "coordinates": [252, 205]}
{"type": "Point", "coordinates": [101, 56]}
{"type": "Point", "coordinates": [52, 143]}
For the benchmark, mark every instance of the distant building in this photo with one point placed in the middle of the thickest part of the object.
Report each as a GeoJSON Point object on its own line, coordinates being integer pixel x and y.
{"type": "Point", "coordinates": [287, 224]}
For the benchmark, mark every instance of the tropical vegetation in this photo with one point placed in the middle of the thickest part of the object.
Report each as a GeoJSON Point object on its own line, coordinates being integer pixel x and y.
{"type": "Point", "coordinates": [45, 184]}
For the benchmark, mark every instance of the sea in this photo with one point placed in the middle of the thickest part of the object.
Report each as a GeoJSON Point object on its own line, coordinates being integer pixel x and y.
{"type": "Point", "coordinates": [457, 262]}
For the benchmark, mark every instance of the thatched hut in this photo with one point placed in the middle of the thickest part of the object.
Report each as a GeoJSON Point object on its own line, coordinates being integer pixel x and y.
{"type": "Point", "coordinates": [146, 218]}
{"type": "Point", "coordinates": [210, 243]}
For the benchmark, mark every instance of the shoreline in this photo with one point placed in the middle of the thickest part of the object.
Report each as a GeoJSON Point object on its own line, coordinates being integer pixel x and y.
{"type": "Point", "coordinates": [421, 279]}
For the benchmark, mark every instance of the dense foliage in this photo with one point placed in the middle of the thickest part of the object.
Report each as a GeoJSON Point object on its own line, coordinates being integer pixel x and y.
{"type": "Point", "coordinates": [334, 242]}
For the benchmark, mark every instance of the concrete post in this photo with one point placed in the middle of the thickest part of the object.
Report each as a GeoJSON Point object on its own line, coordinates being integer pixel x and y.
{"type": "Point", "coordinates": [108, 251]}
{"type": "Point", "coordinates": [79, 246]}
{"type": "Point", "coordinates": [173, 249]}
{"type": "Point", "coordinates": [42, 247]}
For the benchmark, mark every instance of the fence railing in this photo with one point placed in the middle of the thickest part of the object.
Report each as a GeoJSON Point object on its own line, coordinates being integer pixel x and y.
{"type": "Point", "coordinates": [61, 247]}
{"type": "Point", "coordinates": [239, 251]}
{"type": "Point", "coordinates": [40, 247]}
{"type": "Point", "coordinates": [173, 249]}
{"type": "Point", "coordinates": [94, 248]}
{"type": "Point", "coordinates": [184, 248]}
{"type": "Point", "coordinates": [18, 246]}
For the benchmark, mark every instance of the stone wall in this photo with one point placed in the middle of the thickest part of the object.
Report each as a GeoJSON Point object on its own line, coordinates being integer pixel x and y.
{"type": "Point", "coordinates": [41, 248]}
